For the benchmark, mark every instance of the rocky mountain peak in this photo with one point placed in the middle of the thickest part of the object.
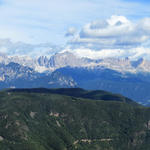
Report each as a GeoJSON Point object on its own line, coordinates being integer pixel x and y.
{"type": "Point", "coordinates": [65, 59]}
{"type": "Point", "coordinates": [43, 61]}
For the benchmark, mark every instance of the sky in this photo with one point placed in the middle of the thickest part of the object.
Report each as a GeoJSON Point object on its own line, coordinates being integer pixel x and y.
{"type": "Point", "coordinates": [34, 27]}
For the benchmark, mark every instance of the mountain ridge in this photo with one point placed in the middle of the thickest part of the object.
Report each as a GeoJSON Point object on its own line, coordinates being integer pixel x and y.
{"type": "Point", "coordinates": [64, 59]}
{"type": "Point", "coordinates": [79, 93]}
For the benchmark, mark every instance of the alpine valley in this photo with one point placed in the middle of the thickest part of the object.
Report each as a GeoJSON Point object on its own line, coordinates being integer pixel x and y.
{"type": "Point", "coordinates": [130, 78]}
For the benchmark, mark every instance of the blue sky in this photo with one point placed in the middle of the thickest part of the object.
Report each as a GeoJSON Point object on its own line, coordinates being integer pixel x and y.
{"type": "Point", "coordinates": [140, 1]}
{"type": "Point", "coordinates": [48, 21]}
{"type": "Point", "coordinates": [36, 21]}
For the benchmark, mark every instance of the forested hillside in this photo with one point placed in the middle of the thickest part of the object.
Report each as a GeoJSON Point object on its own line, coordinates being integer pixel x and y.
{"type": "Point", "coordinates": [50, 119]}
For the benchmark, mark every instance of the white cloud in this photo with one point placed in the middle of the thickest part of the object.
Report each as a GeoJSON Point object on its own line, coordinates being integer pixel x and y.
{"type": "Point", "coordinates": [98, 54]}
{"type": "Point", "coordinates": [116, 32]}
{"type": "Point", "coordinates": [19, 48]}
{"type": "Point", "coordinates": [38, 21]}
{"type": "Point", "coordinates": [114, 37]}
{"type": "Point", "coordinates": [118, 20]}
{"type": "Point", "coordinates": [71, 32]}
{"type": "Point", "coordinates": [133, 53]}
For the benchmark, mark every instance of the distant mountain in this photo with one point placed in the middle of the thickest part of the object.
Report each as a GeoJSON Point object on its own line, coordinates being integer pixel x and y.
{"type": "Point", "coordinates": [124, 76]}
{"type": "Point", "coordinates": [50, 119]}
{"type": "Point", "coordinates": [14, 75]}
{"type": "Point", "coordinates": [65, 59]}
{"type": "Point", "coordinates": [134, 86]}
{"type": "Point", "coordinates": [122, 65]}
{"type": "Point", "coordinates": [13, 71]}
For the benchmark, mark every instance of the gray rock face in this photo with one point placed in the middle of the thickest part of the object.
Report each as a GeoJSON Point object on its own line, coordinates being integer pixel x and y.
{"type": "Point", "coordinates": [59, 60]}
{"type": "Point", "coordinates": [16, 75]}
{"type": "Point", "coordinates": [13, 71]}
{"type": "Point", "coordinates": [65, 59]}
{"type": "Point", "coordinates": [43, 61]}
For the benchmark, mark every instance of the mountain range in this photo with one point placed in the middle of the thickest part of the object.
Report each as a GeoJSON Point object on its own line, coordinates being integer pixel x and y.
{"type": "Point", "coordinates": [63, 59]}
{"type": "Point", "coordinates": [119, 75]}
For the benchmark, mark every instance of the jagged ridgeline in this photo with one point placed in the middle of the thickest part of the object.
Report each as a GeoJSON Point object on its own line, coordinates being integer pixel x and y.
{"type": "Point", "coordinates": [71, 119]}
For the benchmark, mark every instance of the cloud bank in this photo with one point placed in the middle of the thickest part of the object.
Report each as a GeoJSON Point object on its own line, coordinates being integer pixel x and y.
{"type": "Point", "coordinates": [116, 36]}
{"type": "Point", "coordinates": [20, 48]}
{"type": "Point", "coordinates": [71, 32]}
{"type": "Point", "coordinates": [116, 32]}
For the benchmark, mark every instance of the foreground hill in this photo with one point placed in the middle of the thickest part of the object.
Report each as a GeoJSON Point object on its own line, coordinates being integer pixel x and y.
{"type": "Point", "coordinates": [44, 119]}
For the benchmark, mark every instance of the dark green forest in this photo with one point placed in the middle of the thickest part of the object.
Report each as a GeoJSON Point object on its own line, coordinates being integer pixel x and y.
{"type": "Point", "coordinates": [71, 119]}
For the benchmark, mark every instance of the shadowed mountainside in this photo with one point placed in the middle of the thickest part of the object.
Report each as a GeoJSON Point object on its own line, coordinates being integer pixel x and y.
{"type": "Point", "coordinates": [80, 93]}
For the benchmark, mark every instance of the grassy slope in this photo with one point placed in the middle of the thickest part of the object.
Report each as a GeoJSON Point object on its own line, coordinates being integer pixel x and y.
{"type": "Point", "coordinates": [46, 121]}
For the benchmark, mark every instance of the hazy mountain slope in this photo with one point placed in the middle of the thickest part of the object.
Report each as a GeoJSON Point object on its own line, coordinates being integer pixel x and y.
{"type": "Point", "coordinates": [18, 76]}
{"type": "Point", "coordinates": [134, 86]}
{"type": "Point", "coordinates": [43, 121]}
